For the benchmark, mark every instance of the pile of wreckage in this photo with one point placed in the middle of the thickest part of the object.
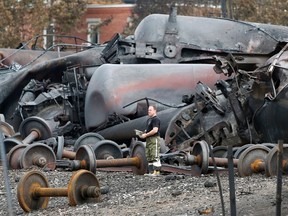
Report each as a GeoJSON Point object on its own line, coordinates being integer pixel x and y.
{"type": "Point", "coordinates": [216, 83]}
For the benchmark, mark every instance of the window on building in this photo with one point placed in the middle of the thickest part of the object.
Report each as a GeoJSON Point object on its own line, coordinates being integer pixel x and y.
{"type": "Point", "coordinates": [93, 35]}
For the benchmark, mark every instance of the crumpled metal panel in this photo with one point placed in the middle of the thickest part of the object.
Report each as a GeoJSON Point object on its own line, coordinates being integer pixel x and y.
{"type": "Point", "coordinates": [270, 119]}
{"type": "Point", "coordinates": [12, 82]}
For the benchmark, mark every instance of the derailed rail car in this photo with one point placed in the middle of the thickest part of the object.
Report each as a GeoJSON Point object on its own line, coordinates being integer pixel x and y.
{"type": "Point", "coordinates": [91, 97]}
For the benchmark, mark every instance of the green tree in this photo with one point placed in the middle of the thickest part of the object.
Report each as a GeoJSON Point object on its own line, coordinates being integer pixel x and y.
{"type": "Point", "coordinates": [23, 19]}
{"type": "Point", "coordinates": [263, 11]}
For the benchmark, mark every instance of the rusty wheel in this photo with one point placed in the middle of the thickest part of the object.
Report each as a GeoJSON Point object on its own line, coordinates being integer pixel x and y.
{"type": "Point", "coordinates": [201, 151]}
{"type": "Point", "coordinates": [35, 123]}
{"type": "Point", "coordinates": [239, 151]}
{"type": "Point", "coordinates": [255, 153]}
{"type": "Point", "coordinates": [38, 154]}
{"type": "Point", "coordinates": [7, 129]}
{"type": "Point", "coordinates": [107, 149]}
{"type": "Point", "coordinates": [138, 150]}
{"type": "Point", "coordinates": [14, 156]}
{"type": "Point", "coordinates": [25, 188]}
{"type": "Point", "coordinates": [86, 153]}
{"type": "Point", "coordinates": [271, 164]}
{"type": "Point", "coordinates": [79, 181]}
{"type": "Point", "coordinates": [87, 139]}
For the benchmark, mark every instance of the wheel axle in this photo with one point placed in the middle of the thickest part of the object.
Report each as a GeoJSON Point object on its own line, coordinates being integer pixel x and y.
{"type": "Point", "coordinates": [33, 191]}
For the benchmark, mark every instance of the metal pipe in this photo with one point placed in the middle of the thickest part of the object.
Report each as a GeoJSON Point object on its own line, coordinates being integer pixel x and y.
{"type": "Point", "coordinates": [218, 161]}
{"type": "Point", "coordinates": [68, 154]}
{"type": "Point", "coordinates": [222, 162]}
{"type": "Point", "coordinates": [31, 137]}
{"type": "Point", "coordinates": [49, 192]}
{"type": "Point", "coordinates": [133, 161]}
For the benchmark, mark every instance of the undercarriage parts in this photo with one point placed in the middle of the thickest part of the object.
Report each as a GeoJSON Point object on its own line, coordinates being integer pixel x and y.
{"type": "Point", "coordinates": [87, 139]}
{"type": "Point", "coordinates": [85, 159]}
{"type": "Point", "coordinates": [34, 128]}
{"type": "Point", "coordinates": [33, 190]}
{"type": "Point", "coordinates": [37, 154]}
{"type": "Point", "coordinates": [261, 159]}
{"type": "Point", "coordinates": [199, 155]}
{"type": "Point", "coordinates": [252, 160]}
{"type": "Point", "coordinates": [6, 129]}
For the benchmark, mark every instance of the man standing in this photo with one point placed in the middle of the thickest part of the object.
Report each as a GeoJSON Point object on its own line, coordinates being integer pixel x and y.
{"type": "Point", "coordinates": [152, 136]}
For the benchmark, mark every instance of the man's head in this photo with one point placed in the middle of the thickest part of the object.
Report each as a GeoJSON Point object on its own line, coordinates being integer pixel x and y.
{"type": "Point", "coordinates": [152, 110]}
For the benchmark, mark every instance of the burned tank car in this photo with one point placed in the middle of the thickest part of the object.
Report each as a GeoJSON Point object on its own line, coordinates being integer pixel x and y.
{"type": "Point", "coordinates": [158, 39]}
{"type": "Point", "coordinates": [112, 87]}
{"type": "Point", "coordinates": [177, 39]}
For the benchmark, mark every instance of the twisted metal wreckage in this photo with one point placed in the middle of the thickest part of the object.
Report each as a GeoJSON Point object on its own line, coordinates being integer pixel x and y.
{"type": "Point", "coordinates": [173, 61]}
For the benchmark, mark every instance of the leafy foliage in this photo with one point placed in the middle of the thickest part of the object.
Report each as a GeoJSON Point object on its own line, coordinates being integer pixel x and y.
{"type": "Point", "coordinates": [184, 7]}
{"type": "Point", "coordinates": [262, 11]}
{"type": "Point", "coordinates": [23, 19]}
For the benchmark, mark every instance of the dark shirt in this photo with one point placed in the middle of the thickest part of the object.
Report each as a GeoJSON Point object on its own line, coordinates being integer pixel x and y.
{"type": "Point", "coordinates": [153, 122]}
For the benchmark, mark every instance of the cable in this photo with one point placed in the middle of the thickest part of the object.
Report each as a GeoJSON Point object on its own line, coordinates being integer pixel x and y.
{"type": "Point", "coordinates": [146, 99]}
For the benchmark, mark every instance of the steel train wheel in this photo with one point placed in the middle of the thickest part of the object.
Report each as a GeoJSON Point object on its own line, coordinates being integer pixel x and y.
{"type": "Point", "coordinates": [87, 139]}
{"type": "Point", "coordinates": [250, 155]}
{"type": "Point", "coordinates": [271, 162]}
{"type": "Point", "coordinates": [25, 188]}
{"type": "Point", "coordinates": [14, 155]}
{"type": "Point", "coordinates": [107, 149]}
{"type": "Point", "coordinates": [38, 154]}
{"type": "Point", "coordinates": [35, 123]}
{"type": "Point", "coordinates": [201, 150]}
{"type": "Point", "coordinates": [240, 150]}
{"type": "Point", "coordinates": [79, 180]}
{"type": "Point", "coordinates": [86, 153]}
{"type": "Point", "coordinates": [138, 150]}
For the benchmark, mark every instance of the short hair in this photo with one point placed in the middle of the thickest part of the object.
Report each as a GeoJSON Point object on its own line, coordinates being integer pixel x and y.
{"type": "Point", "coordinates": [154, 106]}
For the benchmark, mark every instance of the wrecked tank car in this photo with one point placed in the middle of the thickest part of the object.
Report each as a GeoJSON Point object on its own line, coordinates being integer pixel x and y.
{"type": "Point", "coordinates": [104, 89]}
{"type": "Point", "coordinates": [251, 107]}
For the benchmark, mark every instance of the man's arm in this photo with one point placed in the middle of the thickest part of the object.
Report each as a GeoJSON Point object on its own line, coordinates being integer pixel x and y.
{"type": "Point", "coordinates": [150, 133]}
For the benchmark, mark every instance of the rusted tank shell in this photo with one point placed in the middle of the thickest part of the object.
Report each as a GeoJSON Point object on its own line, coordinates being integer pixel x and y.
{"type": "Point", "coordinates": [113, 86]}
{"type": "Point", "coordinates": [204, 33]}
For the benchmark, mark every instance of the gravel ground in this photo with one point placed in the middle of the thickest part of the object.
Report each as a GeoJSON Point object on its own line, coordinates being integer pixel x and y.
{"type": "Point", "coordinates": [177, 195]}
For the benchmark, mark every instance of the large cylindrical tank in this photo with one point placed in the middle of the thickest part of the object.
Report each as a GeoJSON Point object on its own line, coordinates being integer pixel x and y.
{"type": "Point", "coordinates": [113, 86]}
{"type": "Point", "coordinates": [213, 33]}
{"type": "Point", "coordinates": [124, 132]}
